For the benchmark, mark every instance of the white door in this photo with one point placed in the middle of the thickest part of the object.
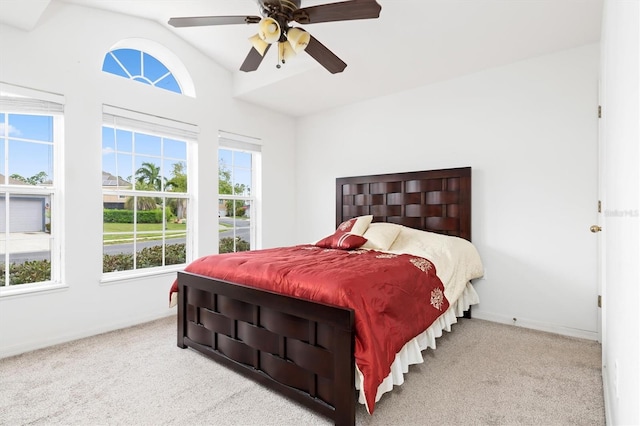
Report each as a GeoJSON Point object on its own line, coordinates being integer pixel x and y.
{"type": "Point", "coordinates": [620, 217]}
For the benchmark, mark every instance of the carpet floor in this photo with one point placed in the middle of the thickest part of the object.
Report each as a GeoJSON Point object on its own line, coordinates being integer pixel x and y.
{"type": "Point", "coordinates": [483, 373]}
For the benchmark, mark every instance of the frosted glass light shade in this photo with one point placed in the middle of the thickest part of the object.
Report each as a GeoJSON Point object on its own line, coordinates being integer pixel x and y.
{"type": "Point", "coordinates": [285, 51]}
{"type": "Point", "coordinates": [298, 39]}
{"type": "Point", "coordinates": [269, 30]}
{"type": "Point", "coordinates": [259, 44]}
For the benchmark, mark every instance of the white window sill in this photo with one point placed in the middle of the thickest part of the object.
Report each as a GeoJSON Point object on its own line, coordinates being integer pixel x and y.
{"type": "Point", "coordinates": [29, 289]}
{"type": "Point", "coordinates": [138, 274]}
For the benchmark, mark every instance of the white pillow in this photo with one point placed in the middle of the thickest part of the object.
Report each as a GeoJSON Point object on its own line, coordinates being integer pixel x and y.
{"type": "Point", "coordinates": [380, 236]}
{"type": "Point", "coordinates": [457, 260]}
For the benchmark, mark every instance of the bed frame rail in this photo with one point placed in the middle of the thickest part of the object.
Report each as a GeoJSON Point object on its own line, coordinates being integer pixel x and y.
{"type": "Point", "coordinates": [301, 349]}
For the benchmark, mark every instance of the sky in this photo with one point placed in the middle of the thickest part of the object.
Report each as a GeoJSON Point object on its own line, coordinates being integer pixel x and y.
{"type": "Point", "coordinates": [26, 145]}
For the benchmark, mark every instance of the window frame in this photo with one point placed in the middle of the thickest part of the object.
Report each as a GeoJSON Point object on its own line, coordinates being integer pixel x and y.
{"type": "Point", "coordinates": [26, 101]}
{"type": "Point", "coordinates": [240, 143]}
{"type": "Point", "coordinates": [141, 123]}
{"type": "Point", "coordinates": [165, 56]}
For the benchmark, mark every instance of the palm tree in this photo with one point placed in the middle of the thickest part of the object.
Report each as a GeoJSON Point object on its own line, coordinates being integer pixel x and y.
{"type": "Point", "coordinates": [148, 175]}
{"type": "Point", "coordinates": [147, 179]}
{"type": "Point", "coordinates": [178, 183]}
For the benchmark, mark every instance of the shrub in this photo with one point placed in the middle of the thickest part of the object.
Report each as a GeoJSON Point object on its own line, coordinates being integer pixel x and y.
{"type": "Point", "coordinates": [226, 245]}
{"type": "Point", "coordinates": [147, 257]}
{"type": "Point", "coordinates": [126, 216]}
{"type": "Point", "coordinates": [31, 271]}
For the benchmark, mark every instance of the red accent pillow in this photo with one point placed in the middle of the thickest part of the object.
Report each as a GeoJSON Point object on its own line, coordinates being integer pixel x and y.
{"type": "Point", "coordinates": [342, 241]}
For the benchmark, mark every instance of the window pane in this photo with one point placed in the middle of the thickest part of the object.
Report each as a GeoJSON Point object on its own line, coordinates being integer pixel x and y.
{"type": "Point", "coordinates": [234, 227]}
{"type": "Point", "coordinates": [175, 149]}
{"type": "Point", "coordinates": [242, 181]}
{"type": "Point", "coordinates": [153, 68]}
{"type": "Point", "coordinates": [117, 247]}
{"type": "Point", "coordinates": [31, 163]}
{"type": "Point", "coordinates": [33, 127]}
{"type": "Point", "coordinates": [148, 174]}
{"type": "Point", "coordinates": [130, 59]}
{"type": "Point", "coordinates": [124, 141]}
{"type": "Point", "coordinates": [29, 259]}
{"type": "Point", "coordinates": [3, 253]}
{"type": "Point", "coordinates": [108, 139]}
{"type": "Point", "coordinates": [148, 144]}
{"type": "Point", "coordinates": [117, 257]}
{"type": "Point", "coordinates": [149, 246]}
{"type": "Point", "coordinates": [169, 83]}
{"type": "Point", "coordinates": [224, 171]}
{"type": "Point", "coordinates": [176, 231]}
{"type": "Point", "coordinates": [110, 65]}
{"type": "Point", "coordinates": [124, 170]}
{"type": "Point", "coordinates": [175, 254]}
{"type": "Point", "coordinates": [175, 175]}
{"type": "Point", "coordinates": [242, 159]}
{"type": "Point", "coordinates": [2, 158]}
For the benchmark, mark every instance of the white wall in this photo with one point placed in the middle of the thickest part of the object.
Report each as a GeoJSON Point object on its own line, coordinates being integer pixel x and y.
{"type": "Point", "coordinates": [64, 55]}
{"type": "Point", "coordinates": [529, 131]}
{"type": "Point", "coordinates": [621, 203]}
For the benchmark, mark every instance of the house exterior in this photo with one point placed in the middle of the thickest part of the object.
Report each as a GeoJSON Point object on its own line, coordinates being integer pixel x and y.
{"type": "Point", "coordinates": [28, 213]}
{"type": "Point", "coordinates": [110, 181]}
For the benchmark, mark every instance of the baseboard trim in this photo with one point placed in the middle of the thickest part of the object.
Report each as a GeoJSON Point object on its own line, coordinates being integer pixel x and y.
{"type": "Point", "coordinates": [21, 348]}
{"type": "Point", "coordinates": [536, 325]}
{"type": "Point", "coordinates": [607, 395]}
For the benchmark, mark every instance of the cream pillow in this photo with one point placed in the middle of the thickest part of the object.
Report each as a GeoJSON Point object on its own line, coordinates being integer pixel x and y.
{"type": "Point", "coordinates": [357, 225]}
{"type": "Point", "coordinates": [381, 235]}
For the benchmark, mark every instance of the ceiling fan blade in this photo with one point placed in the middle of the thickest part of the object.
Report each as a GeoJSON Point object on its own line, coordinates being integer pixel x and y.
{"type": "Point", "coordinates": [324, 56]}
{"type": "Point", "coordinates": [253, 60]}
{"type": "Point", "coordinates": [201, 21]}
{"type": "Point", "coordinates": [342, 11]}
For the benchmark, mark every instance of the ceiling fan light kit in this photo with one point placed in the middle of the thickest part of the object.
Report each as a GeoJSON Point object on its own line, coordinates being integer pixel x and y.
{"type": "Point", "coordinates": [298, 38]}
{"type": "Point", "coordinates": [269, 30]}
{"type": "Point", "coordinates": [274, 27]}
{"type": "Point", "coordinates": [259, 44]}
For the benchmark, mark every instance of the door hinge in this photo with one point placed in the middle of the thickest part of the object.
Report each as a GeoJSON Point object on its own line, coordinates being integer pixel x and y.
{"type": "Point", "coordinates": [599, 301]}
{"type": "Point", "coordinates": [599, 111]}
{"type": "Point", "coordinates": [599, 206]}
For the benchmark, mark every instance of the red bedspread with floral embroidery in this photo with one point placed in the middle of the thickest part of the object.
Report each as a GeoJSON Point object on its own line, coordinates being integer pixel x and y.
{"type": "Point", "coordinates": [394, 297]}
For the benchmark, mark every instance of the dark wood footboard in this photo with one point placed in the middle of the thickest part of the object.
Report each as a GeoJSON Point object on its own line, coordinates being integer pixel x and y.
{"type": "Point", "coordinates": [301, 349]}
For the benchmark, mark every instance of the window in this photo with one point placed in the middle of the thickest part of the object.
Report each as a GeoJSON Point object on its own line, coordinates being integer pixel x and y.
{"type": "Point", "coordinates": [146, 195]}
{"type": "Point", "coordinates": [239, 193]}
{"type": "Point", "coordinates": [150, 63]}
{"type": "Point", "coordinates": [31, 138]}
{"type": "Point", "coordinates": [140, 66]}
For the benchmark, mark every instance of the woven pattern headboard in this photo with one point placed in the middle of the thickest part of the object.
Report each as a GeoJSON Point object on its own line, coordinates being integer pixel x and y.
{"type": "Point", "coordinates": [432, 200]}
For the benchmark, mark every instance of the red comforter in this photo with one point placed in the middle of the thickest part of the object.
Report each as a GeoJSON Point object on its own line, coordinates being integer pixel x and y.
{"type": "Point", "coordinates": [395, 297]}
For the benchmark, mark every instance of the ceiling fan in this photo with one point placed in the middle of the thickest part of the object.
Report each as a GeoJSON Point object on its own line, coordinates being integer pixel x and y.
{"type": "Point", "coordinates": [274, 27]}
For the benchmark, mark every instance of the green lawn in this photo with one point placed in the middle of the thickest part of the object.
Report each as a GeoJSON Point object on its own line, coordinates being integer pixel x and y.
{"type": "Point", "coordinates": [150, 231]}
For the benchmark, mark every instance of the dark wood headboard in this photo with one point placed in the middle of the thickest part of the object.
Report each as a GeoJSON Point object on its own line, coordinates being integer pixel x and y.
{"type": "Point", "coordinates": [432, 200]}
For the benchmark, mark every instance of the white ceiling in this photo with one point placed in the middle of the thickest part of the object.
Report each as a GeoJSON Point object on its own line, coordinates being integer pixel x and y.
{"type": "Point", "coordinates": [413, 43]}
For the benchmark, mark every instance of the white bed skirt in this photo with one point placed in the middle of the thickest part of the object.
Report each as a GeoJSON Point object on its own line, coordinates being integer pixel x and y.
{"type": "Point", "coordinates": [411, 353]}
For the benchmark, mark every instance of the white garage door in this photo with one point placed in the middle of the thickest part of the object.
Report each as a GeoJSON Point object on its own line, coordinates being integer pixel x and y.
{"type": "Point", "coordinates": [26, 215]}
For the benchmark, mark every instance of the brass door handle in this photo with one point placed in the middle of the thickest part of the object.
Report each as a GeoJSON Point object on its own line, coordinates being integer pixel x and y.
{"type": "Point", "coordinates": [595, 228]}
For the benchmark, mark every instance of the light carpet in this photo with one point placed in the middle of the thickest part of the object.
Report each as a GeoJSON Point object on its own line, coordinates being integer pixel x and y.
{"type": "Point", "coordinates": [483, 373]}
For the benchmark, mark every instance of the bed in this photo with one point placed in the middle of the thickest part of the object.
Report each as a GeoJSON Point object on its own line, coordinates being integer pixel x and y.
{"type": "Point", "coordinates": [308, 347]}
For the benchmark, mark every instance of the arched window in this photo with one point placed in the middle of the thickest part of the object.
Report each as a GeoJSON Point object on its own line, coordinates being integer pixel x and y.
{"type": "Point", "coordinates": [150, 63]}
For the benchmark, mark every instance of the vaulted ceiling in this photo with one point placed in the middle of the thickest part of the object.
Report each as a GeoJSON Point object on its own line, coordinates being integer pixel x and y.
{"type": "Point", "coordinates": [413, 43]}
